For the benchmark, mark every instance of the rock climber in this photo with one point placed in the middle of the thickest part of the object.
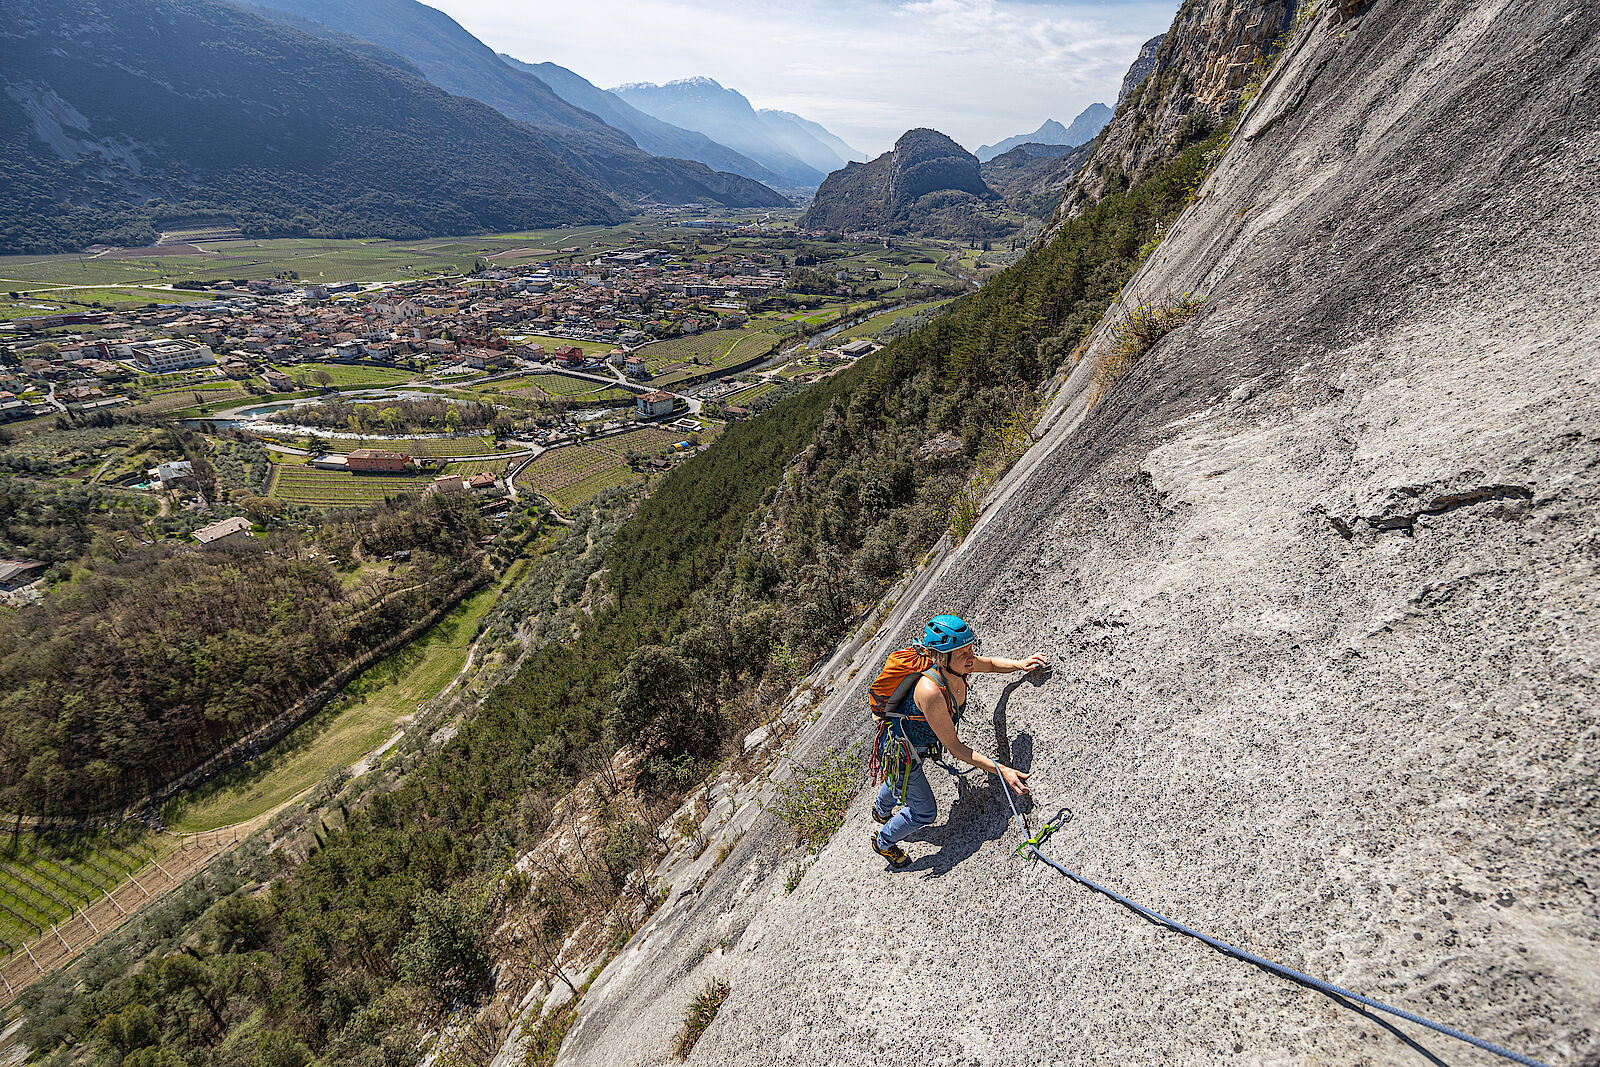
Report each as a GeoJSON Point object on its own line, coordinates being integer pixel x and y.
{"type": "Point", "coordinates": [926, 719]}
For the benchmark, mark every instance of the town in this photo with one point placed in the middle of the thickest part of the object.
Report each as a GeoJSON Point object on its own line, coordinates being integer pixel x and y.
{"type": "Point", "coordinates": [535, 375]}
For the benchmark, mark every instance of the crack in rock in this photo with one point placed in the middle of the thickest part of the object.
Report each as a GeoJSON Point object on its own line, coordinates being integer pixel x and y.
{"type": "Point", "coordinates": [1405, 521]}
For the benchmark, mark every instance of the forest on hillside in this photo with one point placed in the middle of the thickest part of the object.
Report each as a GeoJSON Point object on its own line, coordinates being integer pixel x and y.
{"type": "Point", "coordinates": [153, 657]}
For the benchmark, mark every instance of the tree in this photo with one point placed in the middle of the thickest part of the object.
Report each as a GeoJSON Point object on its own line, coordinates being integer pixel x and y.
{"type": "Point", "coordinates": [444, 951]}
{"type": "Point", "coordinates": [654, 703]}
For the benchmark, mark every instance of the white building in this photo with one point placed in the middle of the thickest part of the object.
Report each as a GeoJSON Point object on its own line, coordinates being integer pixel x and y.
{"type": "Point", "coordinates": [167, 354]}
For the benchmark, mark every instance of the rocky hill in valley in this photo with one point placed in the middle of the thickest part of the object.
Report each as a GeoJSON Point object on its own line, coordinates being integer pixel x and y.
{"type": "Point", "coordinates": [927, 185]}
{"type": "Point", "coordinates": [458, 62]}
{"type": "Point", "coordinates": [1316, 571]}
{"type": "Point", "coordinates": [133, 113]}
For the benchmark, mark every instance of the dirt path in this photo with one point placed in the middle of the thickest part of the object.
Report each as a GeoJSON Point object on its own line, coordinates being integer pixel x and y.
{"type": "Point", "coordinates": [65, 942]}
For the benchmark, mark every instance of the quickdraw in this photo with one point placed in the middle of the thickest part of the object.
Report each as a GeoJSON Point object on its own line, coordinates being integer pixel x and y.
{"type": "Point", "coordinates": [1029, 849]}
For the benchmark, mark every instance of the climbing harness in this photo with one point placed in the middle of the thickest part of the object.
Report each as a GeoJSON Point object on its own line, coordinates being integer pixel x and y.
{"type": "Point", "coordinates": [1031, 850]}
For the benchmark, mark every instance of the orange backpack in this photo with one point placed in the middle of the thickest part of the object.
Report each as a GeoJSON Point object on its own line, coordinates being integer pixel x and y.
{"type": "Point", "coordinates": [888, 692]}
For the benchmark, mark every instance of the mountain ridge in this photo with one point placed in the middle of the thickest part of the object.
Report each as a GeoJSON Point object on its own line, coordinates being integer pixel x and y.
{"type": "Point", "coordinates": [316, 140]}
{"type": "Point", "coordinates": [458, 62]}
{"type": "Point", "coordinates": [648, 132]}
{"type": "Point", "coordinates": [1083, 129]}
{"type": "Point", "coordinates": [727, 117]}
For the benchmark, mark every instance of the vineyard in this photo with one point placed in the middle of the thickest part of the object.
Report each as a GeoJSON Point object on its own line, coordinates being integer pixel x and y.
{"type": "Point", "coordinates": [562, 385]}
{"type": "Point", "coordinates": [433, 447]}
{"type": "Point", "coordinates": [568, 476]}
{"type": "Point", "coordinates": [684, 357]}
{"type": "Point", "coordinates": [341, 489]}
{"type": "Point", "coordinates": [166, 401]}
{"type": "Point", "coordinates": [46, 878]}
{"type": "Point", "coordinates": [750, 396]}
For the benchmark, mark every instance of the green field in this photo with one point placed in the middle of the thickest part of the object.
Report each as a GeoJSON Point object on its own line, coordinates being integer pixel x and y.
{"type": "Point", "coordinates": [359, 720]}
{"type": "Point", "coordinates": [312, 260]}
{"type": "Point", "coordinates": [680, 358]}
{"type": "Point", "coordinates": [878, 322]}
{"type": "Point", "coordinates": [550, 344]}
{"type": "Point", "coordinates": [344, 374]}
{"type": "Point", "coordinates": [44, 878]}
{"type": "Point", "coordinates": [466, 467]}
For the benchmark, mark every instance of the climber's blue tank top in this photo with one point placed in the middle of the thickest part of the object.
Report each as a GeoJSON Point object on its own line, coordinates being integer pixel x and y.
{"type": "Point", "coordinates": [917, 731]}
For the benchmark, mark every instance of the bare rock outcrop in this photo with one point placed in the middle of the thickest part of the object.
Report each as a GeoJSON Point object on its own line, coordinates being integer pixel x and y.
{"type": "Point", "coordinates": [1319, 578]}
{"type": "Point", "coordinates": [1141, 68]}
{"type": "Point", "coordinates": [1190, 86]}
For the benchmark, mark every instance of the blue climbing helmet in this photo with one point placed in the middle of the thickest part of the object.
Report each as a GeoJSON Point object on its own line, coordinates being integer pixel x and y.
{"type": "Point", "coordinates": [946, 633]}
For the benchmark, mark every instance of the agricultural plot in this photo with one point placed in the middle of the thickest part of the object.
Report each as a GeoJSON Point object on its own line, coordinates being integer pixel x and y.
{"type": "Point", "coordinates": [748, 397]}
{"type": "Point", "coordinates": [590, 348]}
{"type": "Point", "coordinates": [562, 385]}
{"type": "Point", "coordinates": [878, 322]}
{"type": "Point", "coordinates": [344, 374]}
{"type": "Point", "coordinates": [571, 475]}
{"type": "Point", "coordinates": [432, 447]}
{"type": "Point", "coordinates": [341, 489]}
{"type": "Point", "coordinates": [718, 348]}
{"type": "Point", "coordinates": [468, 467]}
{"type": "Point", "coordinates": [46, 878]}
{"type": "Point", "coordinates": [176, 400]}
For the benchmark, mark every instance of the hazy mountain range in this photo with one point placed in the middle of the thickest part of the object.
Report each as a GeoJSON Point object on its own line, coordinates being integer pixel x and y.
{"type": "Point", "coordinates": [458, 62]}
{"type": "Point", "coordinates": [801, 152]}
{"type": "Point", "coordinates": [647, 131]}
{"type": "Point", "coordinates": [1082, 130]}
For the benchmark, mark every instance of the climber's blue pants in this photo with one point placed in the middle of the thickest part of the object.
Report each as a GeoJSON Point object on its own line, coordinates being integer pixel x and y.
{"type": "Point", "coordinates": [920, 807]}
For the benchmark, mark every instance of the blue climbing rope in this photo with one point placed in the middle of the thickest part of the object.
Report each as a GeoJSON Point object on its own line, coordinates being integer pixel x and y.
{"type": "Point", "coordinates": [1031, 849]}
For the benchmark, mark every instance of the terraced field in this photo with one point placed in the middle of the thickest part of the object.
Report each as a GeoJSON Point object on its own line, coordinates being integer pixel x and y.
{"type": "Point", "coordinates": [571, 475]}
{"type": "Point", "coordinates": [45, 878]}
{"type": "Point", "coordinates": [340, 489]}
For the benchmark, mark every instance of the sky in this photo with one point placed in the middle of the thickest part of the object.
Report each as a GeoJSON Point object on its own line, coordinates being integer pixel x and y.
{"type": "Point", "coordinates": [977, 70]}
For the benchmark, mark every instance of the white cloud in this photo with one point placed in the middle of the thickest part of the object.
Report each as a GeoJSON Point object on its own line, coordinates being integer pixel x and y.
{"type": "Point", "coordinates": [978, 70]}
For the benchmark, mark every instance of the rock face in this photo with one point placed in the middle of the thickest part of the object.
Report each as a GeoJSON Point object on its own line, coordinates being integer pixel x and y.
{"type": "Point", "coordinates": [1318, 577]}
{"type": "Point", "coordinates": [1140, 69]}
{"type": "Point", "coordinates": [926, 184]}
{"type": "Point", "coordinates": [1192, 85]}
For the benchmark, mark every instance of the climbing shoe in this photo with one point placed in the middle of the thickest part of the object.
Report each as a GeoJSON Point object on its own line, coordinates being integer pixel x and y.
{"type": "Point", "coordinates": [894, 854]}
{"type": "Point", "coordinates": [880, 818]}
